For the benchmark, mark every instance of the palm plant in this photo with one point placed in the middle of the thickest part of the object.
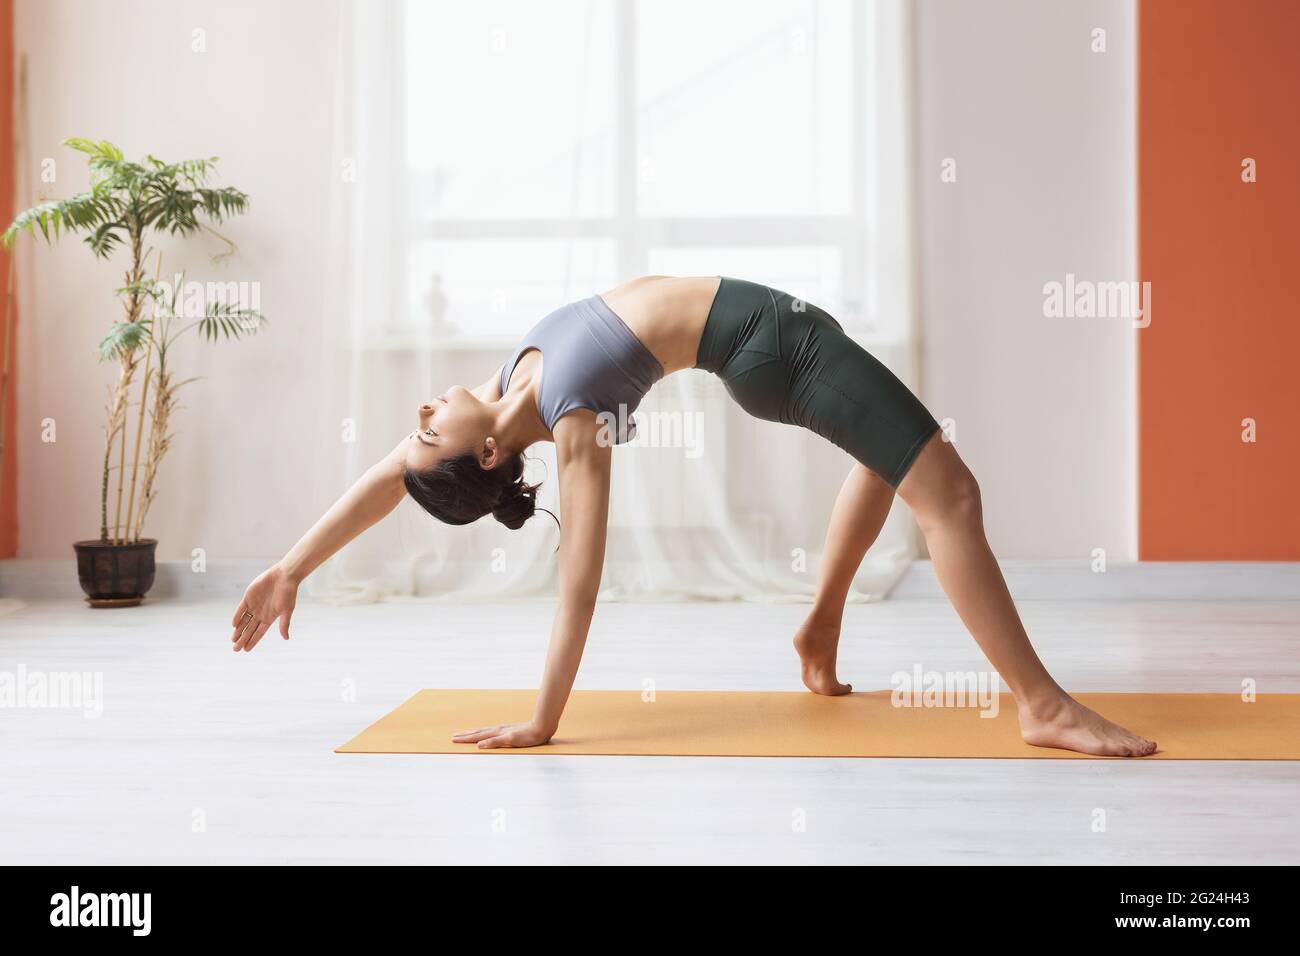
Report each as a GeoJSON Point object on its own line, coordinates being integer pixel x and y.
{"type": "Point", "coordinates": [127, 201]}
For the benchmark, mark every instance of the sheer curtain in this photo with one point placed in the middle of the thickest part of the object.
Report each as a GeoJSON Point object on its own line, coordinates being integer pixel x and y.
{"type": "Point", "coordinates": [499, 159]}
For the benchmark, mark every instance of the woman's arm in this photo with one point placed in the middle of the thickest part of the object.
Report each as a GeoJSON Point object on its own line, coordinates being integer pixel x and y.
{"type": "Point", "coordinates": [275, 592]}
{"type": "Point", "coordinates": [584, 466]}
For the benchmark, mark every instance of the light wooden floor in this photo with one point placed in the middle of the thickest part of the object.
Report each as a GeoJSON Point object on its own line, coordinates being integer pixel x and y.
{"type": "Point", "coordinates": [243, 742]}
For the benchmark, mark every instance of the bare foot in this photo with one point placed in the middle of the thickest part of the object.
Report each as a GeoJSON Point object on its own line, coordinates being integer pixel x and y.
{"type": "Point", "coordinates": [1067, 724]}
{"type": "Point", "coordinates": [817, 645]}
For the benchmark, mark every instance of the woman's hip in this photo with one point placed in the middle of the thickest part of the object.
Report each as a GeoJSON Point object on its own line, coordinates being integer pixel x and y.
{"type": "Point", "coordinates": [783, 359]}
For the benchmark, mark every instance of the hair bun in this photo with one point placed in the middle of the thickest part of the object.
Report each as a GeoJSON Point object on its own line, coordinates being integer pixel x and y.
{"type": "Point", "coordinates": [517, 505]}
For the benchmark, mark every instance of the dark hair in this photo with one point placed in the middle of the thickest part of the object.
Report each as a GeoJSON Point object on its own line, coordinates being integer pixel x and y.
{"type": "Point", "coordinates": [459, 491]}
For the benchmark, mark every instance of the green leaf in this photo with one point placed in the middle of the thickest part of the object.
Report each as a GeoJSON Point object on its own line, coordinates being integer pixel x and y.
{"type": "Point", "coordinates": [229, 320]}
{"type": "Point", "coordinates": [145, 286]}
{"type": "Point", "coordinates": [80, 213]}
{"type": "Point", "coordinates": [104, 240]}
{"type": "Point", "coordinates": [124, 338]}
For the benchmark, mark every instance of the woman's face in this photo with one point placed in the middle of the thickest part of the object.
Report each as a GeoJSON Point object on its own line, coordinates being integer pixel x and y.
{"type": "Point", "coordinates": [452, 424]}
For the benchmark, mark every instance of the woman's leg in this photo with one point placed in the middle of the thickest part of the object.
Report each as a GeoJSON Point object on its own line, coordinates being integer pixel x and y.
{"type": "Point", "coordinates": [943, 495]}
{"type": "Point", "coordinates": [860, 511]}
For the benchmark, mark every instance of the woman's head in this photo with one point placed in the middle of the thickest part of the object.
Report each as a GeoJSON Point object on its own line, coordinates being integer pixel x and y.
{"type": "Point", "coordinates": [456, 470]}
{"type": "Point", "coordinates": [460, 490]}
{"type": "Point", "coordinates": [454, 423]}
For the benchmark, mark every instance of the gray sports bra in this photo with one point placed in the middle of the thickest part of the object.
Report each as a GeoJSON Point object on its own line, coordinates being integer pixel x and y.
{"type": "Point", "coordinates": [590, 359]}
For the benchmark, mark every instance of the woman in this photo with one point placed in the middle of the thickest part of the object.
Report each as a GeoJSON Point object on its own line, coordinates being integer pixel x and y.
{"type": "Point", "coordinates": [575, 380]}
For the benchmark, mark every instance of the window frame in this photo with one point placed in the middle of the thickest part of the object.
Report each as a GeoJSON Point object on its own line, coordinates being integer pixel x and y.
{"type": "Point", "coordinates": [856, 234]}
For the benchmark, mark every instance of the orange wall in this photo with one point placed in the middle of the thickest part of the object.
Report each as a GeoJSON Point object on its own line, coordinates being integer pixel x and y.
{"type": "Point", "coordinates": [9, 490]}
{"type": "Point", "coordinates": [1219, 81]}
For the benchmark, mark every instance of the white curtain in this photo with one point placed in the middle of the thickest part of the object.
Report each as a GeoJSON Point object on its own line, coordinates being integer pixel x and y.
{"type": "Point", "coordinates": [499, 159]}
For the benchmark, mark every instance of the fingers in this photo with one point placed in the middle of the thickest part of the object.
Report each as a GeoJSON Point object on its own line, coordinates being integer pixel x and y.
{"type": "Point", "coordinates": [284, 623]}
{"type": "Point", "coordinates": [262, 628]}
{"type": "Point", "coordinates": [243, 630]}
{"type": "Point", "coordinates": [512, 737]}
{"type": "Point", "coordinates": [474, 736]}
{"type": "Point", "coordinates": [239, 613]}
{"type": "Point", "coordinates": [252, 629]}
{"type": "Point", "coordinates": [503, 735]}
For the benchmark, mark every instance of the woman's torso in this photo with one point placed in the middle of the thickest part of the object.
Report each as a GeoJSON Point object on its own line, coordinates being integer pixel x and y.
{"type": "Point", "coordinates": [604, 353]}
{"type": "Point", "coordinates": [667, 314]}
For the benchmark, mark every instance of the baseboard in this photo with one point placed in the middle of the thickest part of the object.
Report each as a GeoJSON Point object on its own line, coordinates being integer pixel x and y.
{"type": "Point", "coordinates": [32, 579]}
{"type": "Point", "coordinates": [1125, 581]}
{"type": "Point", "coordinates": [42, 580]}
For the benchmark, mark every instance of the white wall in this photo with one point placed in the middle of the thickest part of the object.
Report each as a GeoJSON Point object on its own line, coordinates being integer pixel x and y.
{"type": "Point", "coordinates": [1041, 128]}
{"type": "Point", "coordinates": [261, 97]}
{"type": "Point", "coordinates": [1043, 132]}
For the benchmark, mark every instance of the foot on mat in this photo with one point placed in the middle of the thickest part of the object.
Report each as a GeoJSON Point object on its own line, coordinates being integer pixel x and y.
{"type": "Point", "coordinates": [1068, 725]}
{"type": "Point", "coordinates": [818, 645]}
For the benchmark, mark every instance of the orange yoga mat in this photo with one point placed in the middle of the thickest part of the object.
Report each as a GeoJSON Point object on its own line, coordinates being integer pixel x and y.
{"type": "Point", "coordinates": [785, 724]}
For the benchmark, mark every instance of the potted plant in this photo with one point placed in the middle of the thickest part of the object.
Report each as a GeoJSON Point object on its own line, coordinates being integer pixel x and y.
{"type": "Point", "coordinates": [127, 202]}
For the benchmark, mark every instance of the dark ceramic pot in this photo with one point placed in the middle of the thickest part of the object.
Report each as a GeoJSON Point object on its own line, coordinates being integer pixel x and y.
{"type": "Point", "coordinates": [115, 575]}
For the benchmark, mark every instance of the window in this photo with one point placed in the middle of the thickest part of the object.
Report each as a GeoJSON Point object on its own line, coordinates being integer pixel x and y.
{"type": "Point", "coordinates": [553, 150]}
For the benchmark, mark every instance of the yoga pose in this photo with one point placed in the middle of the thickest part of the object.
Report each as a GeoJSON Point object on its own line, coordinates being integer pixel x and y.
{"type": "Point", "coordinates": [576, 378]}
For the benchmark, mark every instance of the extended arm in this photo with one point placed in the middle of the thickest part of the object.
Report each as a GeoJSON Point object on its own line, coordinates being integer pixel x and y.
{"type": "Point", "coordinates": [584, 507]}
{"type": "Point", "coordinates": [273, 595]}
{"type": "Point", "coordinates": [371, 497]}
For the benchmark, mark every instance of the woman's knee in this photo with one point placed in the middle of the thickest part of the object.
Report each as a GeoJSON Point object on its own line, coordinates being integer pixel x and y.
{"type": "Point", "coordinates": [944, 491]}
{"type": "Point", "coordinates": [963, 496]}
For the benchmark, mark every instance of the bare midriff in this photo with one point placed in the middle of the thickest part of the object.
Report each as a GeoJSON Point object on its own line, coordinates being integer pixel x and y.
{"type": "Point", "coordinates": [667, 314]}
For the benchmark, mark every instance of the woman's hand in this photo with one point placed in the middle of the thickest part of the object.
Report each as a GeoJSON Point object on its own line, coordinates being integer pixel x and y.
{"type": "Point", "coordinates": [505, 735]}
{"type": "Point", "coordinates": [271, 596]}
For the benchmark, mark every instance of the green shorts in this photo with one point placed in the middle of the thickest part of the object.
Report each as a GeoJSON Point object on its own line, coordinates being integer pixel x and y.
{"type": "Point", "coordinates": [784, 360]}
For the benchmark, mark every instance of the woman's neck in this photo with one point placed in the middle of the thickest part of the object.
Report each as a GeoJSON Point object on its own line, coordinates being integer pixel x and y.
{"type": "Point", "coordinates": [517, 423]}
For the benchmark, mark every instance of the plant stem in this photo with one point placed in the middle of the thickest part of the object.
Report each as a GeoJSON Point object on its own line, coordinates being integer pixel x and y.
{"type": "Point", "coordinates": [128, 361]}
{"type": "Point", "coordinates": [103, 497]}
{"type": "Point", "coordinates": [159, 440]}
{"type": "Point", "coordinates": [110, 433]}
{"type": "Point", "coordinates": [139, 428]}
{"type": "Point", "coordinates": [121, 460]}
{"type": "Point", "coordinates": [135, 456]}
